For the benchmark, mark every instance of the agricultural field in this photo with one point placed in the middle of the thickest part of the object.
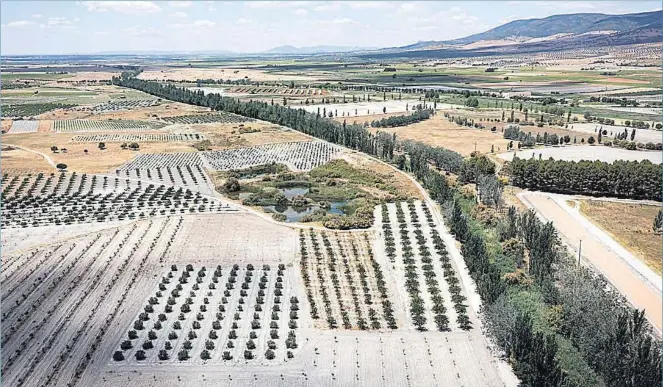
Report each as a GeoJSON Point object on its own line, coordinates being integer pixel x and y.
{"type": "Point", "coordinates": [70, 126]}
{"type": "Point", "coordinates": [23, 127]}
{"type": "Point", "coordinates": [117, 105]}
{"type": "Point", "coordinates": [436, 300]}
{"type": "Point", "coordinates": [590, 153]}
{"type": "Point", "coordinates": [143, 137]}
{"type": "Point", "coordinates": [41, 200]}
{"type": "Point", "coordinates": [189, 176]}
{"type": "Point", "coordinates": [298, 156]}
{"type": "Point", "coordinates": [243, 315]}
{"type": "Point", "coordinates": [360, 299]}
{"type": "Point", "coordinates": [224, 118]}
{"type": "Point", "coordinates": [30, 109]}
{"type": "Point", "coordinates": [356, 109]}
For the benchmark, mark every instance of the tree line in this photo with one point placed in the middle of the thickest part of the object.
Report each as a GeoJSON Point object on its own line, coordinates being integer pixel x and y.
{"type": "Point", "coordinates": [391, 122]}
{"type": "Point", "coordinates": [351, 136]}
{"type": "Point", "coordinates": [623, 179]}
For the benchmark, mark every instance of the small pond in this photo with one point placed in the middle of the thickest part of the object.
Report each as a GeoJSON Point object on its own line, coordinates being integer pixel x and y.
{"type": "Point", "coordinates": [295, 214]}
{"type": "Point", "coordinates": [295, 191]}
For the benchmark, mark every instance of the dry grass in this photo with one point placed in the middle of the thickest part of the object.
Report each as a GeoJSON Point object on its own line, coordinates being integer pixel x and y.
{"type": "Point", "coordinates": [630, 225]}
{"type": "Point", "coordinates": [18, 161]}
{"type": "Point", "coordinates": [93, 76]}
{"type": "Point", "coordinates": [168, 109]}
{"type": "Point", "coordinates": [225, 136]}
{"type": "Point", "coordinates": [96, 161]}
{"type": "Point", "coordinates": [438, 131]}
{"type": "Point", "coordinates": [6, 124]}
{"type": "Point", "coordinates": [398, 180]}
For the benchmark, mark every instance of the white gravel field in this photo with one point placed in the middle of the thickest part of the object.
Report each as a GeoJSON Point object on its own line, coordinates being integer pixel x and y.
{"type": "Point", "coordinates": [591, 153]}
{"type": "Point", "coordinates": [361, 108]}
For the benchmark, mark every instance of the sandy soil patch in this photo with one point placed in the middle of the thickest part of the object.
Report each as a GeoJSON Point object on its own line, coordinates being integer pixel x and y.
{"type": "Point", "coordinates": [630, 225]}
{"type": "Point", "coordinates": [21, 161]}
{"type": "Point", "coordinates": [193, 74]}
{"type": "Point", "coordinates": [356, 109]}
{"type": "Point", "coordinates": [438, 131]}
{"type": "Point", "coordinates": [96, 161]}
{"type": "Point", "coordinates": [6, 124]}
{"type": "Point", "coordinates": [45, 126]}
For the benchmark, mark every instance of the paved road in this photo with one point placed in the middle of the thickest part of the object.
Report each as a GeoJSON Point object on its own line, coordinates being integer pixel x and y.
{"type": "Point", "coordinates": [596, 252]}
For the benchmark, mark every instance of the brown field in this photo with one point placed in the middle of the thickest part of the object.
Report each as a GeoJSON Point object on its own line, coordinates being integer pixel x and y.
{"type": "Point", "coordinates": [630, 225]}
{"type": "Point", "coordinates": [169, 109]}
{"type": "Point", "coordinates": [224, 136]}
{"type": "Point", "coordinates": [438, 131]}
{"type": "Point", "coordinates": [18, 161]}
{"type": "Point", "coordinates": [627, 81]}
{"type": "Point", "coordinates": [193, 74]}
{"type": "Point", "coordinates": [96, 161]}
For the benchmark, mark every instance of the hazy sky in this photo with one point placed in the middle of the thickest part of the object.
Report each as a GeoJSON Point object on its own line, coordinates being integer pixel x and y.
{"type": "Point", "coordinates": [54, 27]}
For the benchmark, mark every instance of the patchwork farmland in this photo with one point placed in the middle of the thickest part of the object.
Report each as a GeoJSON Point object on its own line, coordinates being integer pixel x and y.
{"type": "Point", "coordinates": [69, 126]}
{"type": "Point", "coordinates": [23, 127]}
{"type": "Point", "coordinates": [143, 137]}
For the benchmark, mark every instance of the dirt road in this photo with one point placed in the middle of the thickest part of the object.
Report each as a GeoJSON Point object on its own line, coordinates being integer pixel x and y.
{"type": "Point", "coordinates": [598, 253]}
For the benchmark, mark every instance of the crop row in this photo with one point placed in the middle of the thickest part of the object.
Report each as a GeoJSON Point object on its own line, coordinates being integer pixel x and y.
{"type": "Point", "coordinates": [141, 137]}
{"type": "Point", "coordinates": [22, 126]}
{"type": "Point", "coordinates": [113, 106]}
{"type": "Point", "coordinates": [359, 299]}
{"type": "Point", "coordinates": [272, 90]}
{"type": "Point", "coordinates": [191, 318]}
{"type": "Point", "coordinates": [100, 126]}
{"type": "Point", "coordinates": [30, 109]}
{"type": "Point", "coordinates": [80, 199]}
{"type": "Point", "coordinates": [224, 118]}
{"type": "Point", "coordinates": [192, 177]}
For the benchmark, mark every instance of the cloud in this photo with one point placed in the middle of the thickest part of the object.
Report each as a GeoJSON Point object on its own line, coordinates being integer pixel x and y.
{"type": "Point", "coordinates": [180, 15]}
{"type": "Point", "coordinates": [204, 23]}
{"type": "Point", "coordinates": [326, 7]}
{"type": "Point", "coordinates": [369, 4]}
{"type": "Point", "coordinates": [301, 12]}
{"type": "Point", "coordinates": [142, 31]}
{"type": "Point", "coordinates": [180, 4]}
{"type": "Point", "coordinates": [212, 9]}
{"type": "Point", "coordinates": [242, 20]}
{"type": "Point", "coordinates": [274, 4]}
{"type": "Point", "coordinates": [54, 22]}
{"type": "Point", "coordinates": [36, 16]}
{"type": "Point", "coordinates": [128, 7]}
{"type": "Point", "coordinates": [19, 24]}
{"type": "Point", "coordinates": [409, 7]}
{"type": "Point", "coordinates": [344, 20]}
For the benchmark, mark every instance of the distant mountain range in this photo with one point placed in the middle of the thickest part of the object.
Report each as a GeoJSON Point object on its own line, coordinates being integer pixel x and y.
{"type": "Point", "coordinates": [555, 32]}
{"type": "Point", "coordinates": [288, 49]}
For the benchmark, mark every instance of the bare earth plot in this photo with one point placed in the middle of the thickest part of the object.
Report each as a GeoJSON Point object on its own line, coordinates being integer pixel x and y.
{"type": "Point", "coordinates": [628, 275]}
{"type": "Point", "coordinates": [589, 153]}
{"type": "Point", "coordinates": [630, 224]}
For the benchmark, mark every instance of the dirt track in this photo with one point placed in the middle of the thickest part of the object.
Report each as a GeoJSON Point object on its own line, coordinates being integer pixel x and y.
{"type": "Point", "coordinates": [607, 261]}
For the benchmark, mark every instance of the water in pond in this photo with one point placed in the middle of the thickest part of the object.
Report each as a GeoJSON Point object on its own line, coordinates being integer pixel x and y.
{"type": "Point", "coordinates": [295, 214]}
{"type": "Point", "coordinates": [292, 192]}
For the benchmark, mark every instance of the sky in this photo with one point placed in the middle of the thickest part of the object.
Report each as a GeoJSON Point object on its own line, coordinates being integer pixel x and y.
{"type": "Point", "coordinates": [77, 27]}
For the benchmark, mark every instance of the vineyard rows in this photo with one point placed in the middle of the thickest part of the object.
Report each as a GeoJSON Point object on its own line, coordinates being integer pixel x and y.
{"type": "Point", "coordinates": [23, 127]}
{"type": "Point", "coordinates": [72, 198]}
{"type": "Point", "coordinates": [101, 126]}
{"type": "Point", "coordinates": [191, 177]}
{"type": "Point", "coordinates": [224, 118]}
{"type": "Point", "coordinates": [228, 314]}
{"type": "Point", "coordinates": [114, 106]}
{"type": "Point", "coordinates": [30, 109]}
{"type": "Point", "coordinates": [418, 253]}
{"type": "Point", "coordinates": [141, 137]}
{"type": "Point", "coordinates": [302, 156]}
{"type": "Point", "coordinates": [64, 298]}
{"type": "Point", "coordinates": [344, 262]}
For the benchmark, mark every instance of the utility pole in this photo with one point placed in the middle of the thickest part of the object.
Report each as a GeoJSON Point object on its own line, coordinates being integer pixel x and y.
{"type": "Point", "coordinates": [579, 252]}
